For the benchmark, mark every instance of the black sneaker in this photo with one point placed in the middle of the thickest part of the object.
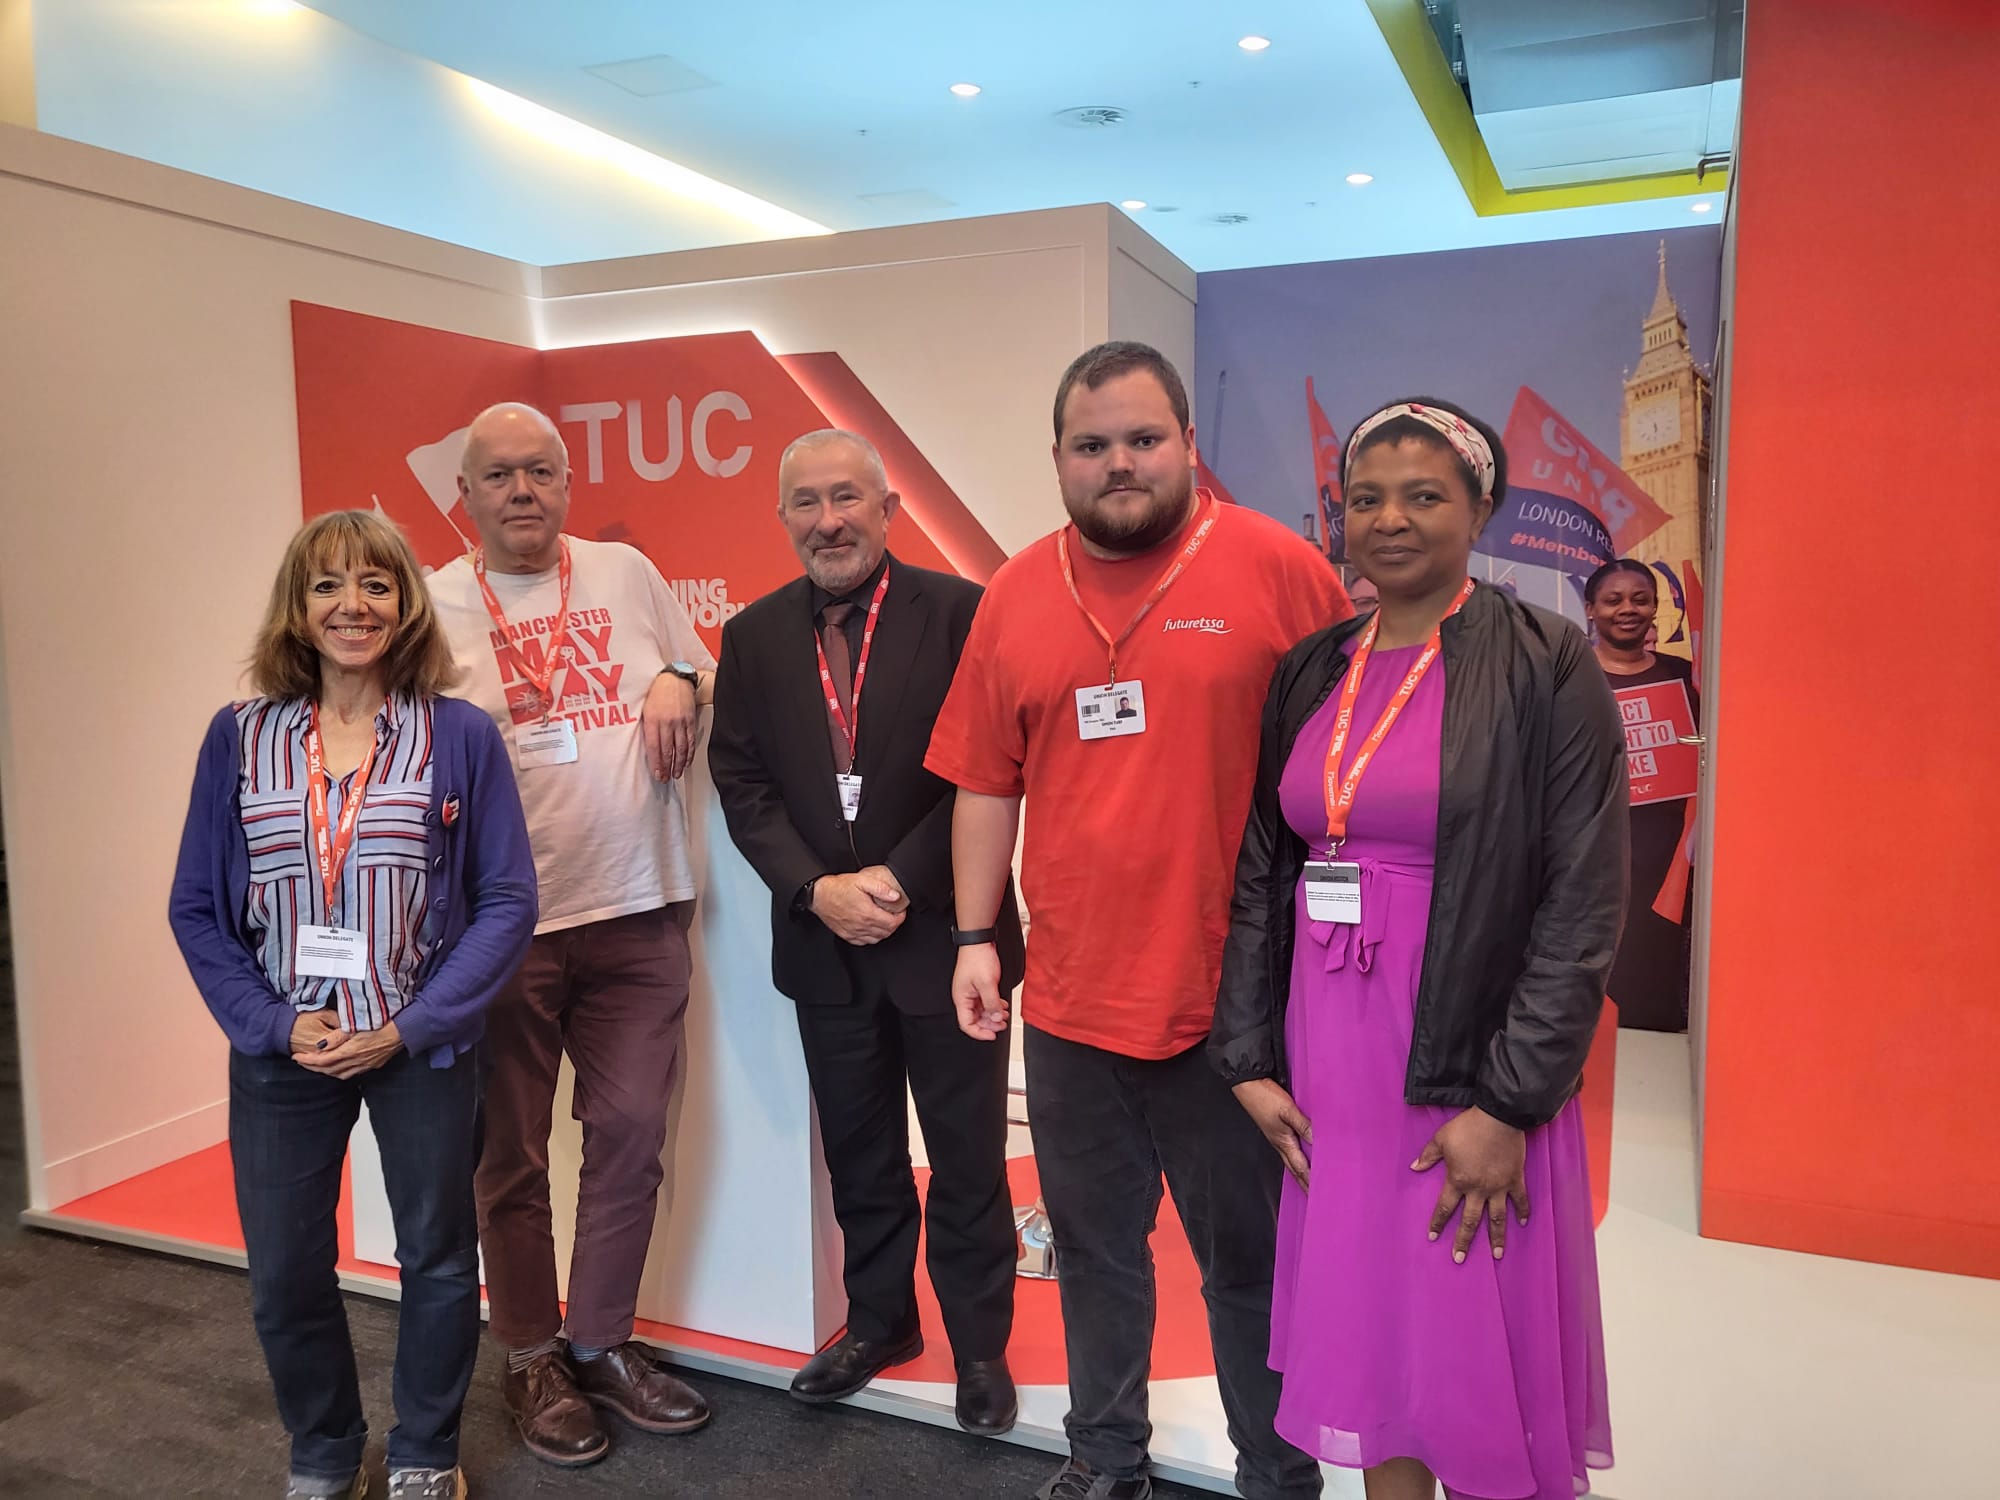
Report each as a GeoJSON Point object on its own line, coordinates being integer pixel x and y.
{"type": "Point", "coordinates": [1078, 1481]}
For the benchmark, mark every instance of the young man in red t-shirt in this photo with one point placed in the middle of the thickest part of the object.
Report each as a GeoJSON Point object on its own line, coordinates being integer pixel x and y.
{"type": "Point", "coordinates": [1115, 675]}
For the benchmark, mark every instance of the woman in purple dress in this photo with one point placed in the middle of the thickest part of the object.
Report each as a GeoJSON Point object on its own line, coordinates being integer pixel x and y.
{"type": "Point", "coordinates": [1427, 902]}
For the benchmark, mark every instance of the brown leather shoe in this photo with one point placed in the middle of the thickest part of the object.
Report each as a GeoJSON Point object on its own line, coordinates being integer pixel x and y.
{"type": "Point", "coordinates": [556, 1423]}
{"type": "Point", "coordinates": [625, 1379]}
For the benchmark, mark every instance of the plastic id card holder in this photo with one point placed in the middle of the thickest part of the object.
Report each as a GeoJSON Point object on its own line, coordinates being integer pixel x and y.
{"type": "Point", "coordinates": [1105, 713]}
{"type": "Point", "coordinates": [550, 743]}
{"type": "Point", "coordinates": [330, 953]}
{"type": "Point", "coordinates": [1333, 891]}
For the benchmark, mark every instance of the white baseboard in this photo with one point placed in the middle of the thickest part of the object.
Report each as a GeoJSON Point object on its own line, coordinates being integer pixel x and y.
{"type": "Point", "coordinates": [65, 1181]}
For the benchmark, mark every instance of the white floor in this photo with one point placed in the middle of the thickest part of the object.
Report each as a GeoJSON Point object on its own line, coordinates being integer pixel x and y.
{"type": "Point", "coordinates": [1737, 1373]}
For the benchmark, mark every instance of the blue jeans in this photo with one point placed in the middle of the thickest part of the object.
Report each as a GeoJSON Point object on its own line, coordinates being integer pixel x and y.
{"type": "Point", "coordinates": [288, 1131]}
{"type": "Point", "coordinates": [1107, 1127]}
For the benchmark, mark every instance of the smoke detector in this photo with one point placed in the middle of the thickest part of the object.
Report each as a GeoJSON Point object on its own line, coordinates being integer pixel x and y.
{"type": "Point", "coordinates": [1093, 116]}
{"type": "Point", "coordinates": [1229, 219]}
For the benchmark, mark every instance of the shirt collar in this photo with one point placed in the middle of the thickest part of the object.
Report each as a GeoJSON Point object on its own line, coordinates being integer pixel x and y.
{"type": "Point", "coordinates": [394, 713]}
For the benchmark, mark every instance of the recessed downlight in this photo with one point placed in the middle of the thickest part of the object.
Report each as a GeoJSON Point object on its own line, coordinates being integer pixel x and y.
{"type": "Point", "coordinates": [1360, 179]}
{"type": "Point", "coordinates": [1254, 43]}
{"type": "Point", "coordinates": [1134, 204]}
{"type": "Point", "coordinates": [1701, 208]}
{"type": "Point", "coordinates": [966, 90]}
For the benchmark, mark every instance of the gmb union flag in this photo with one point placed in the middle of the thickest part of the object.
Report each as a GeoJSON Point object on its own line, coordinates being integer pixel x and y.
{"type": "Point", "coordinates": [1568, 505]}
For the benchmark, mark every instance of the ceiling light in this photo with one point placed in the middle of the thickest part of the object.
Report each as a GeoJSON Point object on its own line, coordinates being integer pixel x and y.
{"type": "Point", "coordinates": [965, 90]}
{"type": "Point", "coordinates": [1360, 179]}
{"type": "Point", "coordinates": [1700, 208]}
{"type": "Point", "coordinates": [1135, 204]}
{"type": "Point", "coordinates": [1254, 43]}
{"type": "Point", "coordinates": [574, 136]}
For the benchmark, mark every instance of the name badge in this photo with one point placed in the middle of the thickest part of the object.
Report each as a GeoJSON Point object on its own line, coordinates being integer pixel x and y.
{"type": "Point", "coordinates": [1104, 713]}
{"type": "Point", "coordinates": [330, 953]}
{"type": "Point", "coordinates": [1333, 891]}
{"type": "Point", "coordinates": [547, 744]}
{"type": "Point", "coordinates": [850, 795]}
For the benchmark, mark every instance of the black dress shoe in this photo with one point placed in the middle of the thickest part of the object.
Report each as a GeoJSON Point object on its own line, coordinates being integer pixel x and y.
{"type": "Point", "coordinates": [845, 1367]}
{"type": "Point", "coordinates": [986, 1404]}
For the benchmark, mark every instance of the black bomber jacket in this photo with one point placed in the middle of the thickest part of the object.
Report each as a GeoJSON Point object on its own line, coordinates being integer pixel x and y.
{"type": "Point", "coordinates": [1529, 891]}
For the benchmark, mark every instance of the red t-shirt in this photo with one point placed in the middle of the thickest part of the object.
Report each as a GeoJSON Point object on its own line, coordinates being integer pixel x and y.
{"type": "Point", "coordinates": [1130, 847]}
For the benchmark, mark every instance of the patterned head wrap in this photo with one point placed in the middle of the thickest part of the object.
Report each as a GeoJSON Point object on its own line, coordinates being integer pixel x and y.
{"type": "Point", "coordinates": [1460, 436]}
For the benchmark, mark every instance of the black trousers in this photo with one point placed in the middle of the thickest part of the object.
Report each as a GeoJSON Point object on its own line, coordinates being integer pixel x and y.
{"type": "Point", "coordinates": [288, 1131]}
{"type": "Point", "coordinates": [1106, 1127]}
{"type": "Point", "coordinates": [861, 1057]}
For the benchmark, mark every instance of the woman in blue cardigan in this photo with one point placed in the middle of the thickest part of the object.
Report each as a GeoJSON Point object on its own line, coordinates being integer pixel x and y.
{"type": "Point", "coordinates": [355, 885]}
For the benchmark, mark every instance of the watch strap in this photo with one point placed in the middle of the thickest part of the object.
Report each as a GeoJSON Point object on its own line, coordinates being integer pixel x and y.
{"type": "Point", "coordinates": [974, 936]}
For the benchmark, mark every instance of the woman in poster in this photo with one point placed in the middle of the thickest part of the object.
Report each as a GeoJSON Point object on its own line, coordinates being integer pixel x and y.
{"type": "Point", "coordinates": [354, 886]}
{"type": "Point", "coordinates": [1649, 982]}
{"type": "Point", "coordinates": [1427, 902]}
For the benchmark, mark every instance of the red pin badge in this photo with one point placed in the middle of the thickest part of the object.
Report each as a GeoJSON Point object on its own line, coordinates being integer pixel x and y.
{"type": "Point", "coordinates": [451, 809]}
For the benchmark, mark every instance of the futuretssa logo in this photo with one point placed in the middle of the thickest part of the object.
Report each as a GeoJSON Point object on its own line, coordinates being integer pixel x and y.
{"type": "Point", "coordinates": [1207, 624]}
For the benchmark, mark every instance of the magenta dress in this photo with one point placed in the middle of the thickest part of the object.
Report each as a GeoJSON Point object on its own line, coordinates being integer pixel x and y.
{"type": "Point", "coordinates": [1489, 1373]}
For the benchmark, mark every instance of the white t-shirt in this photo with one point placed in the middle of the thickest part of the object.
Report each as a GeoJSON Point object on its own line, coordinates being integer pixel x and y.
{"type": "Point", "coordinates": [608, 839]}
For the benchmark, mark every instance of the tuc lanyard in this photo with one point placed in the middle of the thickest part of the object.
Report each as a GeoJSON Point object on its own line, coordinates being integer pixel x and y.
{"type": "Point", "coordinates": [1340, 790]}
{"type": "Point", "coordinates": [1174, 570]}
{"type": "Point", "coordinates": [552, 657]}
{"type": "Point", "coordinates": [332, 846]}
{"type": "Point", "coordinates": [852, 730]}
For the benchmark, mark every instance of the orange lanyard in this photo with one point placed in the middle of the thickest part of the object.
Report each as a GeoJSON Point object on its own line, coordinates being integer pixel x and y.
{"type": "Point", "coordinates": [1340, 789]}
{"type": "Point", "coordinates": [552, 657]}
{"type": "Point", "coordinates": [852, 731]}
{"type": "Point", "coordinates": [1174, 570]}
{"type": "Point", "coordinates": [331, 846]}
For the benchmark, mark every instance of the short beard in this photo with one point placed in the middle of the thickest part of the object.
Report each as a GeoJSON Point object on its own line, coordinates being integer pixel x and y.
{"type": "Point", "coordinates": [836, 580]}
{"type": "Point", "coordinates": [1130, 538]}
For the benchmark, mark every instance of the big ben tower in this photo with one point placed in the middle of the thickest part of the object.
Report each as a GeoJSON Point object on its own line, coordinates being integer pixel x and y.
{"type": "Point", "coordinates": [1664, 437]}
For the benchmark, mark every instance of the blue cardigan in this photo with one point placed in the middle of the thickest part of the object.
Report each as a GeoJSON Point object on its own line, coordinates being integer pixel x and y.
{"type": "Point", "coordinates": [482, 892]}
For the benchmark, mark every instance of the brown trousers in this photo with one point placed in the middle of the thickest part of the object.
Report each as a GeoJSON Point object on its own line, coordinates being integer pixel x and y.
{"type": "Point", "coordinates": [613, 995]}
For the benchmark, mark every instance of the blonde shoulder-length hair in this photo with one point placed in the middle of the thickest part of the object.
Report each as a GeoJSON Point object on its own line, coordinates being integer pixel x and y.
{"type": "Point", "coordinates": [285, 663]}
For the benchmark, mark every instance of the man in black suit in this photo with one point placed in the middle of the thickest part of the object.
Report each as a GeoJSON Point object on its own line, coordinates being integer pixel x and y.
{"type": "Point", "coordinates": [824, 700]}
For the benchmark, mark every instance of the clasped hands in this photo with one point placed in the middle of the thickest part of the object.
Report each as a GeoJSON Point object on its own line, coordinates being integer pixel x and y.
{"type": "Point", "coordinates": [1485, 1163]}
{"type": "Point", "coordinates": [862, 908]}
{"type": "Point", "coordinates": [320, 1046]}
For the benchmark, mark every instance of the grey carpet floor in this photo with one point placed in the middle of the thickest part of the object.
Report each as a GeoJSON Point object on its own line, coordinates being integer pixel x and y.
{"type": "Point", "coordinates": [126, 1374]}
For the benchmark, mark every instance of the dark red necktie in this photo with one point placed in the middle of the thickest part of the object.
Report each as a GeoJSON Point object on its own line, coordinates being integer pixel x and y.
{"type": "Point", "coordinates": [840, 662]}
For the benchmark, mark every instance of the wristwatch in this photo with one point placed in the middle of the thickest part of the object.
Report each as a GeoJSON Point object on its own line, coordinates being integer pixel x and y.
{"type": "Point", "coordinates": [802, 899]}
{"type": "Point", "coordinates": [973, 937]}
{"type": "Point", "coordinates": [687, 671]}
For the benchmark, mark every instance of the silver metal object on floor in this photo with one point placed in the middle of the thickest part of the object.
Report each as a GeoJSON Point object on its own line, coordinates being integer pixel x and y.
{"type": "Point", "coordinates": [1037, 1241]}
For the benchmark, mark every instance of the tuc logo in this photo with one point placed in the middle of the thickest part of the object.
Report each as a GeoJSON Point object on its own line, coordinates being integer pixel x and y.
{"type": "Point", "coordinates": [693, 434]}
{"type": "Point", "coordinates": [674, 443]}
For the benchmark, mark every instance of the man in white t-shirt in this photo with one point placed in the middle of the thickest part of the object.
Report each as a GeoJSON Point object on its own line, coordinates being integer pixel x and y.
{"type": "Point", "coordinates": [594, 674]}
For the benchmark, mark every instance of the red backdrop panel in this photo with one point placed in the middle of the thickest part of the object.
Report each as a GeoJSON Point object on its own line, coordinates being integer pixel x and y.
{"type": "Point", "coordinates": [1854, 1010]}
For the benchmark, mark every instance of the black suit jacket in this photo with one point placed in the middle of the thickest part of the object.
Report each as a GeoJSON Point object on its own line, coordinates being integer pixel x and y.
{"type": "Point", "coordinates": [773, 767]}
